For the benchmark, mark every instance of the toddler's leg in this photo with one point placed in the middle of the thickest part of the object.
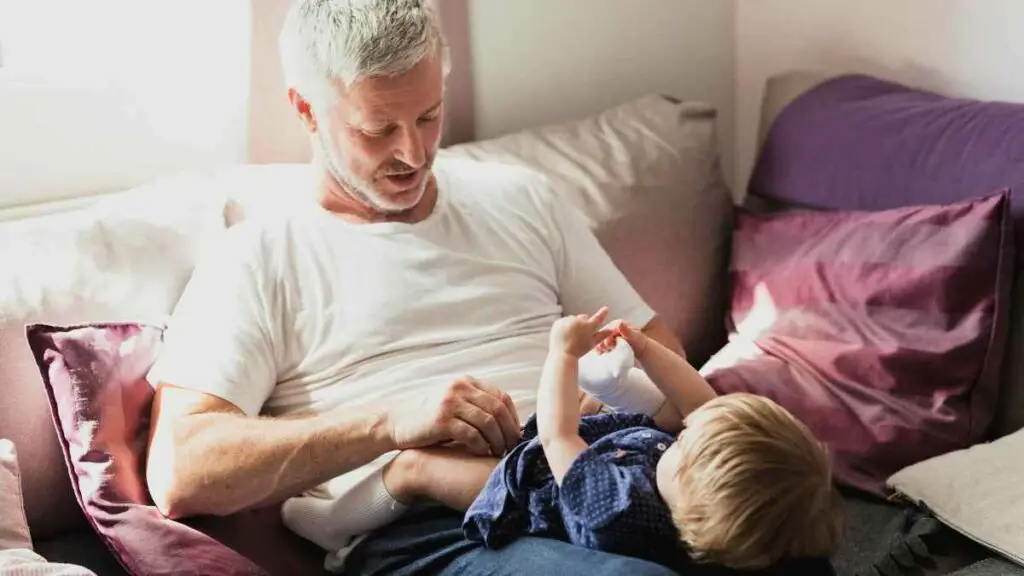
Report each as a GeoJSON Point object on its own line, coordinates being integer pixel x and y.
{"type": "Point", "coordinates": [612, 378]}
{"type": "Point", "coordinates": [352, 505]}
{"type": "Point", "coordinates": [450, 476]}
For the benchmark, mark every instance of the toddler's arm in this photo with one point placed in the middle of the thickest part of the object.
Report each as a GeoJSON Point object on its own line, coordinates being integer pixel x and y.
{"type": "Point", "coordinates": [450, 476]}
{"type": "Point", "coordinates": [683, 387]}
{"type": "Point", "coordinates": [558, 413]}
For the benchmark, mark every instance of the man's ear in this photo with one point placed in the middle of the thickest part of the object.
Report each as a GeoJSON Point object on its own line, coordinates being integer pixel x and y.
{"type": "Point", "coordinates": [303, 108]}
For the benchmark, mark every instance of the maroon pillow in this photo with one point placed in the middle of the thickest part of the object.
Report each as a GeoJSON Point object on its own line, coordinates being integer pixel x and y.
{"type": "Point", "coordinates": [882, 331]}
{"type": "Point", "coordinates": [95, 377]}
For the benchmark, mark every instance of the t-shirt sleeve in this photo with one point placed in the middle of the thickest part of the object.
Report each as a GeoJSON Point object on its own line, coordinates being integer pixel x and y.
{"type": "Point", "coordinates": [605, 506]}
{"type": "Point", "coordinates": [587, 276]}
{"type": "Point", "coordinates": [218, 340]}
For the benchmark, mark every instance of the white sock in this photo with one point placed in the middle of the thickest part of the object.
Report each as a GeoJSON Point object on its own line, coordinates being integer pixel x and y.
{"type": "Point", "coordinates": [613, 380]}
{"type": "Point", "coordinates": [353, 507]}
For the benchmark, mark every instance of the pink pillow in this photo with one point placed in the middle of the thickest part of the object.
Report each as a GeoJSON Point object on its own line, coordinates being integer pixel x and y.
{"type": "Point", "coordinates": [100, 401]}
{"type": "Point", "coordinates": [883, 331]}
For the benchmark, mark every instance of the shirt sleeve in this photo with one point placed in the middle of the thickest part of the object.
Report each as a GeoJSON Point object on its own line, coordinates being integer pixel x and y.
{"type": "Point", "coordinates": [587, 276]}
{"type": "Point", "coordinates": [217, 340]}
{"type": "Point", "coordinates": [606, 507]}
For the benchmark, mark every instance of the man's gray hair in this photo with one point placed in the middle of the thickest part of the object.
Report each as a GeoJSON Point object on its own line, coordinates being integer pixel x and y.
{"type": "Point", "coordinates": [323, 41]}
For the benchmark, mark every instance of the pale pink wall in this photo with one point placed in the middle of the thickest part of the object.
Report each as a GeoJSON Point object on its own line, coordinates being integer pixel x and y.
{"type": "Point", "coordinates": [275, 135]}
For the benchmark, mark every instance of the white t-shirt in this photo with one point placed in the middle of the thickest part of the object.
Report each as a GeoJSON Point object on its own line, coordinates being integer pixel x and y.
{"type": "Point", "coordinates": [304, 311]}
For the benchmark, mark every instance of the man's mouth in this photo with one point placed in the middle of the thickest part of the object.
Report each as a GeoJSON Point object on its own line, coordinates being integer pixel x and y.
{"type": "Point", "coordinates": [403, 179]}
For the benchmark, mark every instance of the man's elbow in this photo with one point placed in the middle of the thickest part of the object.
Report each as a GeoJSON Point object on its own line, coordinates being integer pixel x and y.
{"type": "Point", "coordinates": [171, 494]}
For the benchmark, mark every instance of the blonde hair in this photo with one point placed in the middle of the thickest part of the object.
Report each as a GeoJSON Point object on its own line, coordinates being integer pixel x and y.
{"type": "Point", "coordinates": [755, 486]}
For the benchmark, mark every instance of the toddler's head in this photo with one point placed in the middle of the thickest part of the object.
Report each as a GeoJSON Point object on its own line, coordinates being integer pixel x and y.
{"type": "Point", "coordinates": [748, 484]}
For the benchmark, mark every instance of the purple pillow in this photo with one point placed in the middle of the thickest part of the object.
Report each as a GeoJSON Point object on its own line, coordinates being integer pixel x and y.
{"type": "Point", "coordinates": [95, 377]}
{"type": "Point", "coordinates": [883, 331]}
{"type": "Point", "coordinates": [856, 142]}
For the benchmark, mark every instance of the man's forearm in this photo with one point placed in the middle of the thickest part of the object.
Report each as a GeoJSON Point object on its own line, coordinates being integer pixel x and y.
{"type": "Point", "coordinates": [225, 462]}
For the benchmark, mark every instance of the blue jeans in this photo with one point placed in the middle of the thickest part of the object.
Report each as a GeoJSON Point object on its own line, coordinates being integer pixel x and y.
{"type": "Point", "coordinates": [429, 540]}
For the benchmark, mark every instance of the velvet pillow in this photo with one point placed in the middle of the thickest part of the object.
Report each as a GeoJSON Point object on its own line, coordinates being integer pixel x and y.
{"type": "Point", "coordinates": [883, 331]}
{"type": "Point", "coordinates": [100, 400]}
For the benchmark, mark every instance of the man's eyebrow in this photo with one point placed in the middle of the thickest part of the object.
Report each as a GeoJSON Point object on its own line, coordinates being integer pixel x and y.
{"type": "Point", "coordinates": [434, 107]}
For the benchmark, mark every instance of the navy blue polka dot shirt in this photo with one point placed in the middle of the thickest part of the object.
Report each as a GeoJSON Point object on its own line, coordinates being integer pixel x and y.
{"type": "Point", "coordinates": [608, 500]}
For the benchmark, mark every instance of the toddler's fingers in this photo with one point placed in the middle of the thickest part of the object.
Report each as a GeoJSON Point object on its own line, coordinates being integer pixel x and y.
{"type": "Point", "coordinates": [598, 318]}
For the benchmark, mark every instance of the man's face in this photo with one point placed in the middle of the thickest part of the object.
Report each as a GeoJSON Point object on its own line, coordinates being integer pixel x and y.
{"type": "Point", "coordinates": [379, 136]}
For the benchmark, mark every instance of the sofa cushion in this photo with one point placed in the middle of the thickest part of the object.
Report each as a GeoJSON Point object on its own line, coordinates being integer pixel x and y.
{"type": "Point", "coordinates": [854, 142]}
{"type": "Point", "coordinates": [977, 490]}
{"type": "Point", "coordinates": [13, 524]}
{"type": "Point", "coordinates": [646, 176]}
{"type": "Point", "coordinates": [125, 259]}
{"type": "Point", "coordinates": [883, 331]}
{"type": "Point", "coordinates": [95, 376]}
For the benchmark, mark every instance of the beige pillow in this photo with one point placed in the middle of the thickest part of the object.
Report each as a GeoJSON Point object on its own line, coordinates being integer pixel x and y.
{"type": "Point", "coordinates": [13, 524]}
{"type": "Point", "coordinates": [646, 175]}
{"type": "Point", "coordinates": [978, 491]}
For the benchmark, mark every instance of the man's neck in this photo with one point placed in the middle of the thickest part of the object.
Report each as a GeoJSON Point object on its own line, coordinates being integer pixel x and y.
{"type": "Point", "coordinates": [336, 200]}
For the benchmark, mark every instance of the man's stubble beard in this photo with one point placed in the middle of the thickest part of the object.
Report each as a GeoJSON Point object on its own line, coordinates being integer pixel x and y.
{"type": "Point", "coordinates": [360, 190]}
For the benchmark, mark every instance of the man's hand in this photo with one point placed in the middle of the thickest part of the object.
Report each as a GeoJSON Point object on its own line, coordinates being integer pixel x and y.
{"type": "Point", "coordinates": [577, 335]}
{"type": "Point", "coordinates": [481, 418]}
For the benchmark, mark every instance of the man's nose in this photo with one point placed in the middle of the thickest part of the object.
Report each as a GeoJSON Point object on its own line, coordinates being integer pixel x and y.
{"type": "Point", "coordinates": [410, 148]}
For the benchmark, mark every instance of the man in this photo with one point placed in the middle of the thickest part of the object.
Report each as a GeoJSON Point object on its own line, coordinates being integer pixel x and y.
{"type": "Point", "coordinates": [404, 305]}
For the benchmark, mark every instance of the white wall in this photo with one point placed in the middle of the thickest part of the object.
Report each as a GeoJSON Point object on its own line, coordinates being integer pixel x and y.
{"type": "Point", "coordinates": [960, 47]}
{"type": "Point", "coordinates": [539, 61]}
{"type": "Point", "coordinates": [102, 95]}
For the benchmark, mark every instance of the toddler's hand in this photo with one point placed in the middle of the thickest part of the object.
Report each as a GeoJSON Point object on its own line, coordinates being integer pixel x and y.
{"type": "Point", "coordinates": [636, 339]}
{"type": "Point", "coordinates": [577, 335]}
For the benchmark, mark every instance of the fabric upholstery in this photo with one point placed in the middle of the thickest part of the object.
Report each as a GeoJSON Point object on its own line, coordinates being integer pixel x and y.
{"type": "Point", "coordinates": [852, 142]}
{"type": "Point", "coordinates": [100, 399]}
{"type": "Point", "coordinates": [124, 259]}
{"type": "Point", "coordinates": [883, 331]}
{"type": "Point", "coordinates": [14, 531]}
{"type": "Point", "coordinates": [977, 490]}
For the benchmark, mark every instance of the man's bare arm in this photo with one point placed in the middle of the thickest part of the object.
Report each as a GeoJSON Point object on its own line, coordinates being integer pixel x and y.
{"type": "Point", "coordinates": [207, 457]}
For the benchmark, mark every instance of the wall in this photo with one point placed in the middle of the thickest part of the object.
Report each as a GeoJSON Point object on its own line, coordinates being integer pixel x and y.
{"type": "Point", "coordinates": [538, 61]}
{"type": "Point", "coordinates": [113, 92]}
{"type": "Point", "coordinates": [959, 47]}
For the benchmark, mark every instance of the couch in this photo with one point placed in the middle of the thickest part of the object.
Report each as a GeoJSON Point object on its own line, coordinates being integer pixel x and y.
{"type": "Point", "coordinates": [125, 258]}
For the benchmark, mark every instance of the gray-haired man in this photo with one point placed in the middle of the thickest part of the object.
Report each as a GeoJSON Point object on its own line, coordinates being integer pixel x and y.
{"type": "Point", "coordinates": [319, 342]}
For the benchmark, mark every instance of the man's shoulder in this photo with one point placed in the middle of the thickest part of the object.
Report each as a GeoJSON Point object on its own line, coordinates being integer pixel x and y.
{"type": "Point", "coordinates": [257, 241]}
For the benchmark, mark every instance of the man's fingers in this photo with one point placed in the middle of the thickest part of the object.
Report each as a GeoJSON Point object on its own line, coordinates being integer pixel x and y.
{"type": "Point", "coordinates": [469, 437]}
{"type": "Point", "coordinates": [485, 424]}
{"type": "Point", "coordinates": [506, 413]}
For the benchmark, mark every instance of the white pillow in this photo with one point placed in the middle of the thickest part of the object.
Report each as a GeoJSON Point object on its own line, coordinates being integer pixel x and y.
{"type": "Point", "coordinates": [126, 258]}
{"type": "Point", "coordinates": [978, 491]}
{"type": "Point", "coordinates": [13, 524]}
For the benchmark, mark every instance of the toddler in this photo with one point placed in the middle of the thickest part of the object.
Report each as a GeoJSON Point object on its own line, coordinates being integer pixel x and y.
{"type": "Point", "coordinates": [744, 486]}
